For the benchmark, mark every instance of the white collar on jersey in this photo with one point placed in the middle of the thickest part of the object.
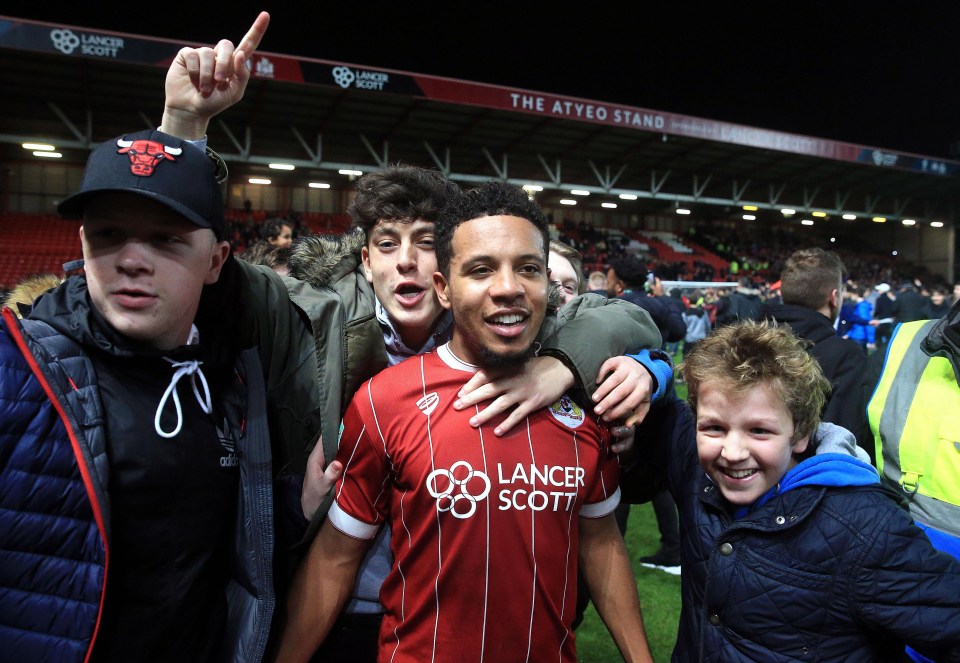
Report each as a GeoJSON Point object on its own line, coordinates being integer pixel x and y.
{"type": "Point", "coordinates": [453, 361]}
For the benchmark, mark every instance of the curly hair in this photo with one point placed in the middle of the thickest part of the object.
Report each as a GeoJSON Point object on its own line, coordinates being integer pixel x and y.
{"type": "Point", "coordinates": [492, 198]}
{"type": "Point", "coordinates": [400, 193]}
{"type": "Point", "coordinates": [746, 354]}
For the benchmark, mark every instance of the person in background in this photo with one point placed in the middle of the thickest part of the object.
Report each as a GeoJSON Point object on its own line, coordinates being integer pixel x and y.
{"type": "Point", "coordinates": [743, 303]}
{"type": "Point", "coordinates": [910, 303]}
{"type": "Point", "coordinates": [812, 289]}
{"type": "Point", "coordinates": [628, 278]}
{"type": "Point", "coordinates": [597, 282]}
{"type": "Point", "coordinates": [855, 325]}
{"type": "Point", "coordinates": [277, 232]}
{"type": "Point", "coordinates": [273, 256]}
{"type": "Point", "coordinates": [884, 314]}
{"type": "Point", "coordinates": [938, 305]}
{"type": "Point", "coordinates": [566, 271]}
{"type": "Point", "coordinates": [697, 321]}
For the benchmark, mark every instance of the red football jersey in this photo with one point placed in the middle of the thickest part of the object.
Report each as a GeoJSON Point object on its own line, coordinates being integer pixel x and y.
{"type": "Point", "coordinates": [485, 528]}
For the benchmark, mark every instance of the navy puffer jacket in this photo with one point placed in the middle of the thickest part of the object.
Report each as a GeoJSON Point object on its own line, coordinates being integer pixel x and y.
{"type": "Point", "coordinates": [53, 529]}
{"type": "Point", "coordinates": [815, 574]}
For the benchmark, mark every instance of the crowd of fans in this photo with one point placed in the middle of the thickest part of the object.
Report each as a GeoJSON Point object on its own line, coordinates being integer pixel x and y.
{"type": "Point", "coordinates": [810, 490]}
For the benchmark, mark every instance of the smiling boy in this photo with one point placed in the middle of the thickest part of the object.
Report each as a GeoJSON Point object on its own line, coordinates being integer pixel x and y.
{"type": "Point", "coordinates": [791, 549]}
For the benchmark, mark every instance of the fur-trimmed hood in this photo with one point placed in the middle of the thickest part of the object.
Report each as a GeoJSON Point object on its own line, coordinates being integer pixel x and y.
{"type": "Point", "coordinates": [321, 260]}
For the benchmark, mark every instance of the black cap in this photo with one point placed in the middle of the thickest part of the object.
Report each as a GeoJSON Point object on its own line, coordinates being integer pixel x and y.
{"type": "Point", "coordinates": [156, 165]}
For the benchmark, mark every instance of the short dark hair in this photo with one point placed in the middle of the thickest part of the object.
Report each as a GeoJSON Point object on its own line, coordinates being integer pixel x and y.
{"type": "Point", "coordinates": [272, 228]}
{"type": "Point", "coordinates": [492, 198]}
{"type": "Point", "coordinates": [808, 277]}
{"type": "Point", "coordinates": [400, 193]}
{"type": "Point", "coordinates": [631, 270]}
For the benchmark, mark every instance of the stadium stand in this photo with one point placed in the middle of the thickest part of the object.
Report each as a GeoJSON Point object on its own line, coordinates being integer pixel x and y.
{"type": "Point", "coordinates": [31, 244]}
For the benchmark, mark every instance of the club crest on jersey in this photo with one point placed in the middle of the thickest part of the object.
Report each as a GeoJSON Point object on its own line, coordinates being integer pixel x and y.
{"type": "Point", "coordinates": [567, 412]}
{"type": "Point", "coordinates": [429, 403]}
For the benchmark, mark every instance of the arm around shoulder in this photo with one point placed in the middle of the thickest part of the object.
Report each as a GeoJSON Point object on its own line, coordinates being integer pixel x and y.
{"type": "Point", "coordinates": [591, 328]}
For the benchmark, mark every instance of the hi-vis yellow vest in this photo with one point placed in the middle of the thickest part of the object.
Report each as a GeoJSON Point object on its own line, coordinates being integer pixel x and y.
{"type": "Point", "coordinates": [914, 416]}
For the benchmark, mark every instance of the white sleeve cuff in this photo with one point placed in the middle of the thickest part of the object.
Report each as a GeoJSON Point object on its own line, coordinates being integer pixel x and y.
{"type": "Point", "coordinates": [350, 526]}
{"type": "Point", "coordinates": [599, 509]}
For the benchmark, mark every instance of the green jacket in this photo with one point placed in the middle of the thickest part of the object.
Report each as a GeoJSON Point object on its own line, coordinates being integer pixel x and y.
{"type": "Point", "coordinates": [249, 305]}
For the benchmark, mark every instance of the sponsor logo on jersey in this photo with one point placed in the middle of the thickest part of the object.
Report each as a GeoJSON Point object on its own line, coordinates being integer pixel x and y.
{"type": "Point", "coordinates": [521, 487]}
{"type": "Point", "coordinates": [567, 412]}
{"type": "Point", "coordinates": [429, 403]}
{"type": "Point", "coordinates": [454, 489]}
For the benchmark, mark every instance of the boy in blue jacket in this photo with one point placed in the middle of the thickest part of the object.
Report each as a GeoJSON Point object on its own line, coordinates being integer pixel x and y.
{"type": "Point", "coordinates": [791, 549]}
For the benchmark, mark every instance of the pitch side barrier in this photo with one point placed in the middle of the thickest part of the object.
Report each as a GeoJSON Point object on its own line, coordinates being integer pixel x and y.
{"type": "Point", "coordinates": [690, 285]}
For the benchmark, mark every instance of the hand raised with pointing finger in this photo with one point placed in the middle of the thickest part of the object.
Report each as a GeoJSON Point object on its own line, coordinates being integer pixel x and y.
{"type": "Point", "coordinates": [202, 82]}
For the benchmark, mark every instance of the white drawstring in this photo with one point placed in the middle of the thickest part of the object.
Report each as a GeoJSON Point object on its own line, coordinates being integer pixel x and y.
{"type": "Point", "coordinates": [191, 368]}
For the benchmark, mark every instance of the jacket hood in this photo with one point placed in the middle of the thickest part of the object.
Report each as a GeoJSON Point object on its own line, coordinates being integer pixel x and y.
{"type": "Point", "coordinates": [806, 323]}
{"type": "Point", "coordinates": [944, 339]}
{"type": "Point", "coordinates": [321, 260]}
{"type": "Point", "coordinates": [832, 439]}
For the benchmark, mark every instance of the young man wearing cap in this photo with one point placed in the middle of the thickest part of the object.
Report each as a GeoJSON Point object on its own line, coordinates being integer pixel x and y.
{"type": "Point", "coordinates": [137, 510]}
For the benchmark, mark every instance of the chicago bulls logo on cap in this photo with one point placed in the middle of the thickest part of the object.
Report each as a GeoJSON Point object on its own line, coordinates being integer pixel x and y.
{"type": "Point", "coordinates": [190, 186]}
{"type": "Point", "coordinates": [146, 155]}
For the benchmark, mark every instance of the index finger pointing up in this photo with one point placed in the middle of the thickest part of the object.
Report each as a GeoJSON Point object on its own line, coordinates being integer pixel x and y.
{"type": "Point", "coordinates": [251, 40]}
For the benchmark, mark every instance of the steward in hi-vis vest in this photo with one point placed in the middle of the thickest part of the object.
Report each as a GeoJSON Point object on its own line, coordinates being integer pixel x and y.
{"type": "Point", "coordinates": [914, 417]}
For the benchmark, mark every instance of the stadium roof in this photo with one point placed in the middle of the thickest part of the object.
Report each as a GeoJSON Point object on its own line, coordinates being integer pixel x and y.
{"type": "Point", "coordinates": [74, 87]}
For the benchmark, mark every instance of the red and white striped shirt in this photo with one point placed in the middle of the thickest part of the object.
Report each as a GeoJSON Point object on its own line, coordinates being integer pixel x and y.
{"type": "Point", "coordinates": [485, 528]}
